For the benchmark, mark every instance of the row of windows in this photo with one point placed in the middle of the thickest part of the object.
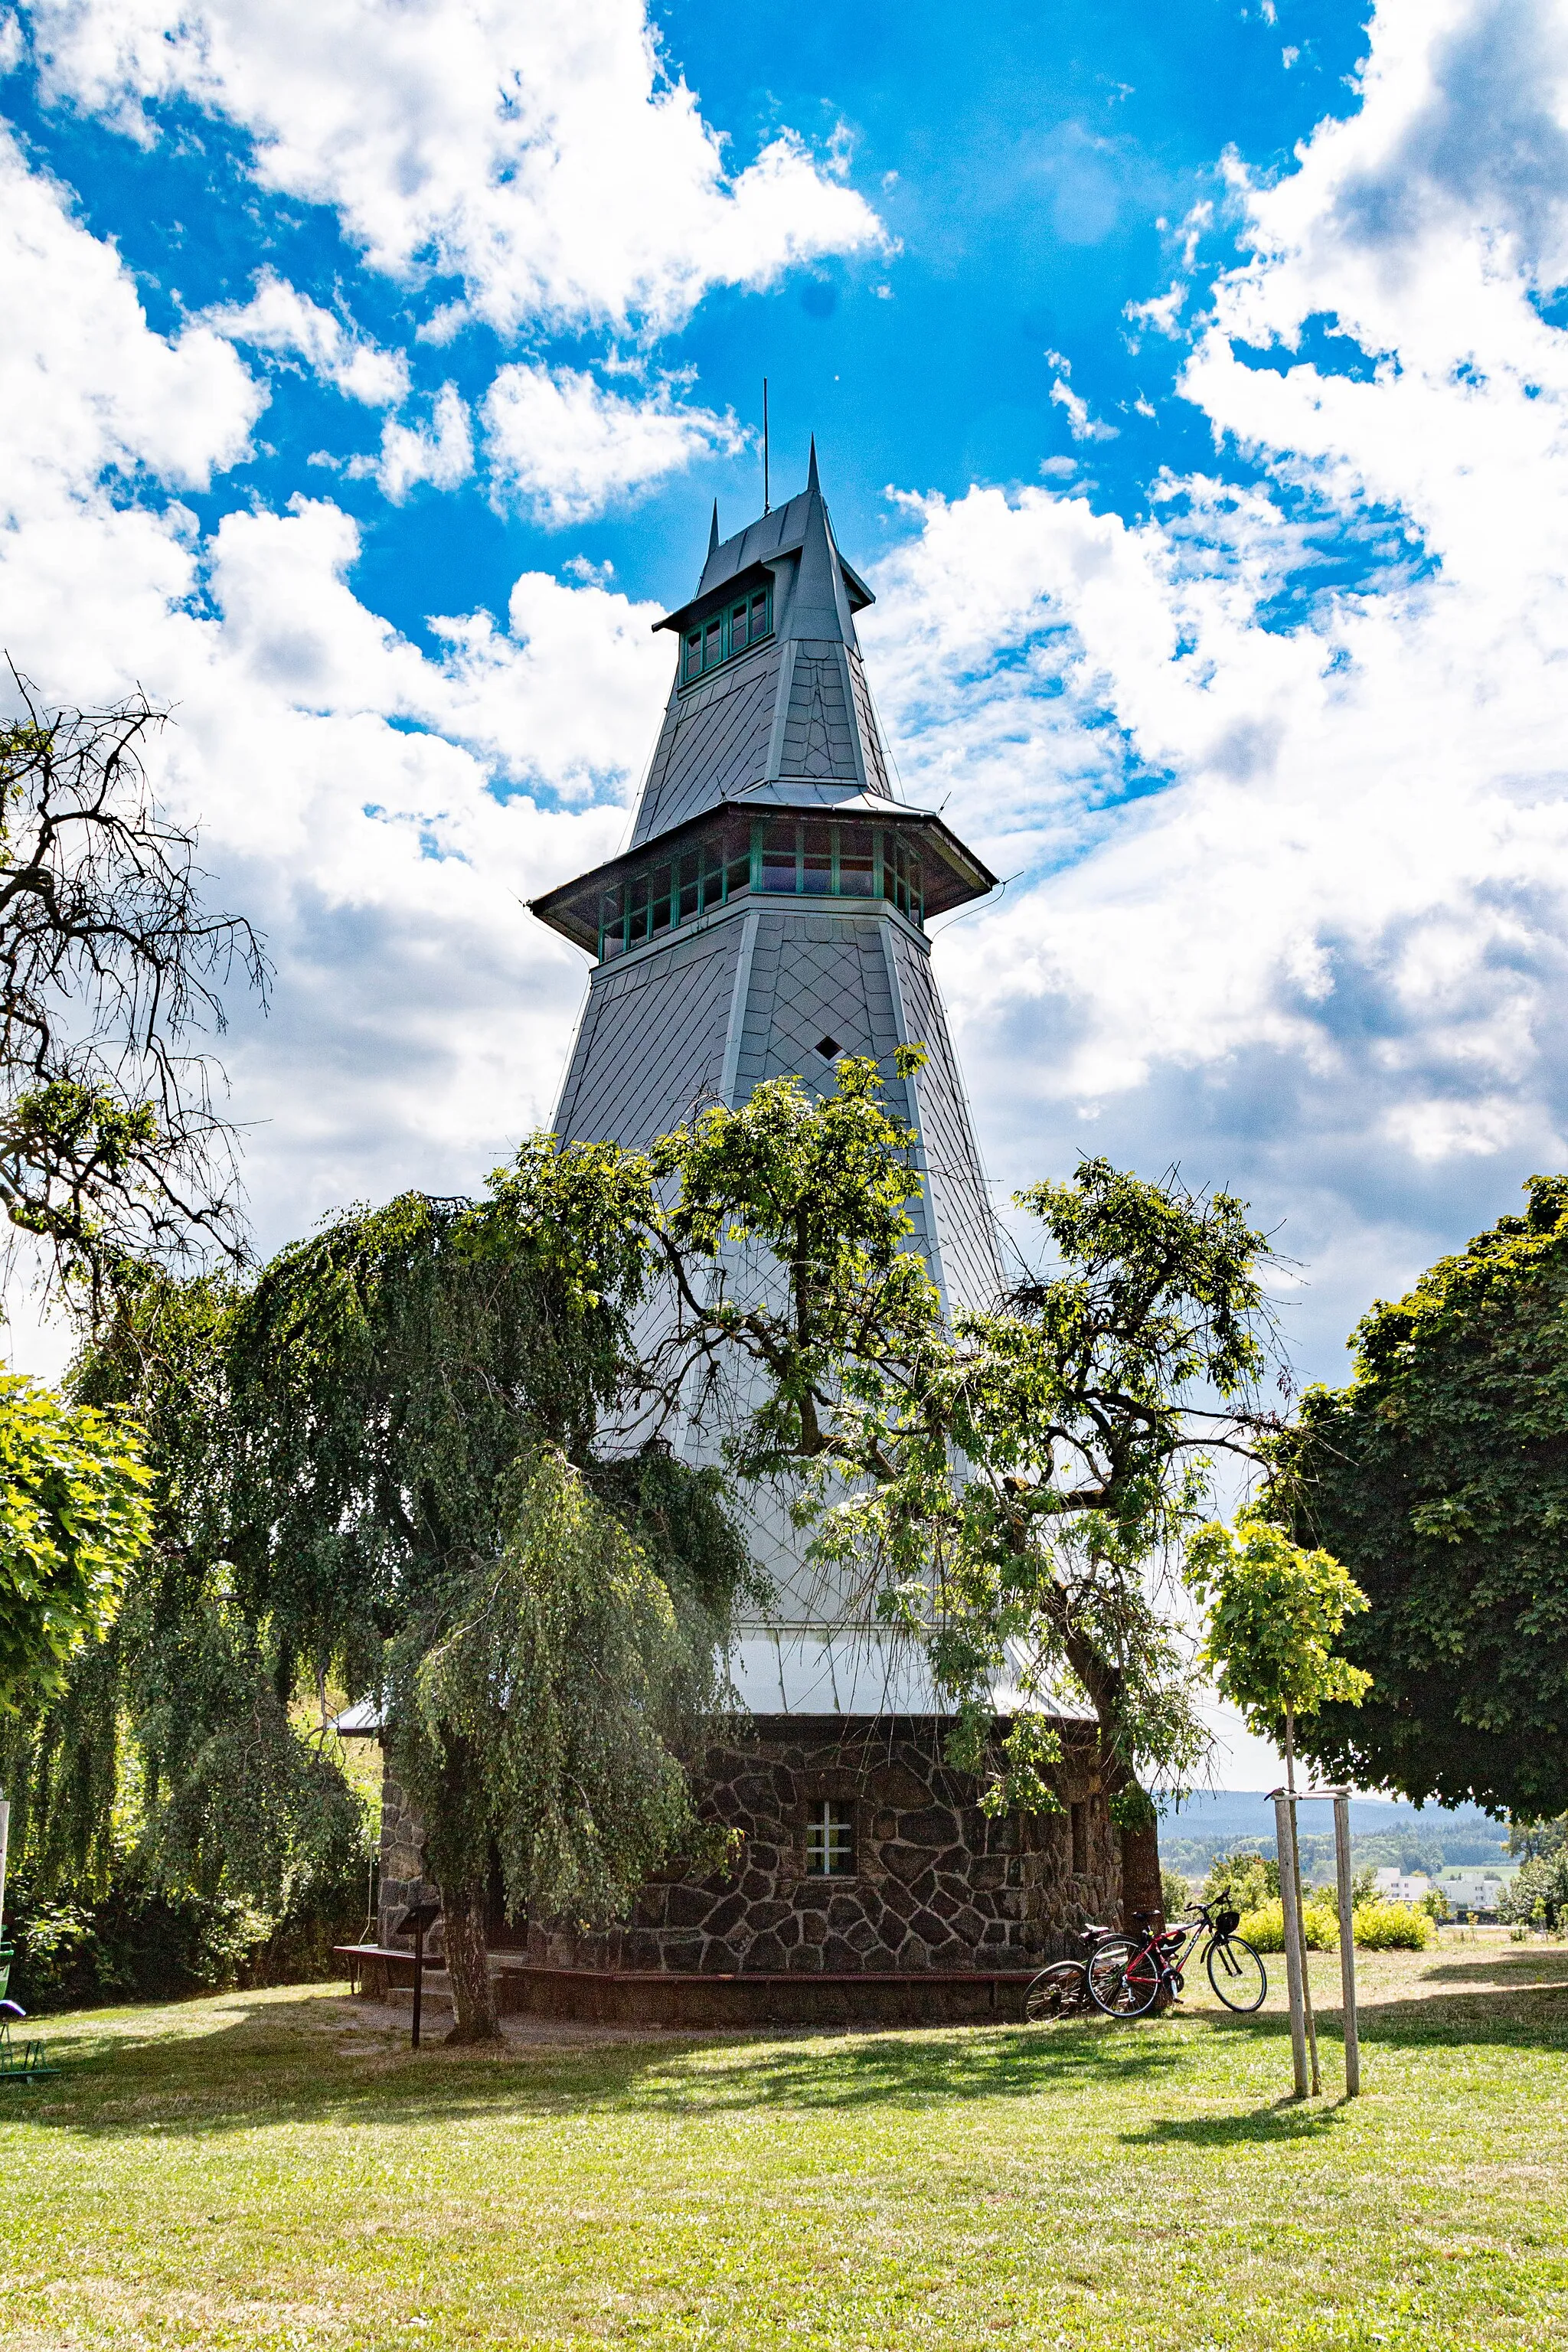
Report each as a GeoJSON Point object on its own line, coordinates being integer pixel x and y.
{"type": "Point", "coordinates": [726, 635]}
{"type": "Point", "coordinates": [801, 857]}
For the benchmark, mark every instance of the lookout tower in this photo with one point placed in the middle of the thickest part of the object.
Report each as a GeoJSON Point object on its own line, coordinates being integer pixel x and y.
{"type": "Point", "coordinates": [768, 916]}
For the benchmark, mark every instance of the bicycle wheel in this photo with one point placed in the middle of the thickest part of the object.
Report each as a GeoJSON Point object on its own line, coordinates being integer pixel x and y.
{"type": "Point", "coordinates": [1237, 1974]}
{"type": "Point", "coordinates": [1124, 1979]}
{"type": "Point", "coordinates": [1060, 1991]}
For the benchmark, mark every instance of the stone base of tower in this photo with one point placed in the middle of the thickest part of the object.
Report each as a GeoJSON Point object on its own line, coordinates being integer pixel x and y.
{"type": "Point", "coordinates": [929, 1911]}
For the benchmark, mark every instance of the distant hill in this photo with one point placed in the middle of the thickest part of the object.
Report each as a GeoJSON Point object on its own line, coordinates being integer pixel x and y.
{"type": "Point", "coordinates": [1384, 1832]}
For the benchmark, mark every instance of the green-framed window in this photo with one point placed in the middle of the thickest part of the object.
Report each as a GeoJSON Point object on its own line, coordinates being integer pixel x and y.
{"type": "Point", "coordinates": [723, 635]}
{"type": "Point", "coordinates": [785, 857]}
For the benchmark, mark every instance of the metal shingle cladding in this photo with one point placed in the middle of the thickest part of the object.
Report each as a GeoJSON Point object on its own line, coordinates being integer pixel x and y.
{"type": "Point", "coordinates": [713, 743]}
{"type": "Point", "coordinates": [650, 1046]}
{"type": "Point", "coordinates": [966, 1230]}
{"type": "Point", "coordinates": [818, 976]}
{"type": "Point", "coordinates": [877, 776]}
{"type": "Point", "coordinates": [818, 736]}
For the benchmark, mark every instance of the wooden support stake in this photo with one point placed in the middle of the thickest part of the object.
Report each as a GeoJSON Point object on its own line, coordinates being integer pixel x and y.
{"type": "Point", "coordinates": [1347, 1945]}
{"type": "Point", "coordinates": [1284, 1846]}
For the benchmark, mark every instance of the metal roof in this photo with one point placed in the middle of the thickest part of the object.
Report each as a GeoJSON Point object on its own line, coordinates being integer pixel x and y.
{"type": "Point", "coordinates": [783, 532]}
{"type": "Point", "coordinates": [796, 705]}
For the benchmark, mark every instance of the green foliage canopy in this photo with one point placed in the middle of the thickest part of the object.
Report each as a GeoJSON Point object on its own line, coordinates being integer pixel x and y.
{"type": "Point", "coordinates": [1440, 1475]}
{"type": "Point", "coordinates": [1275, 1612]}
{"type": "Point", "coordinates": [355, 1457]}
{"type": "Point", "coordinates": [544, 1717]}
{"type": "Point", "coordinates": [75, 1521]}
{"type": "Point", "coordinates": [998, 1486]}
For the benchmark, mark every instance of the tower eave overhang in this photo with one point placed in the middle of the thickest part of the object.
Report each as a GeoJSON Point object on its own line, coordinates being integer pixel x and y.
{"type": "Point", "coordinates": [959, 876]}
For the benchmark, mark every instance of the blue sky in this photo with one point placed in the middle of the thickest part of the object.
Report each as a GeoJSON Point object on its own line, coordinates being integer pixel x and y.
{"type": "Point", "coordinates": [1189, 381]}
{"type": "Point", "coordinates": [1033, 171]}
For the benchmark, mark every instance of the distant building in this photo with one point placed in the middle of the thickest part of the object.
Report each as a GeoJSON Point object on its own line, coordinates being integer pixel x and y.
{"type": "Point", "coordinates": [1399, 1886]}
{"type": "Point", "coordinates": [1474, 1894]}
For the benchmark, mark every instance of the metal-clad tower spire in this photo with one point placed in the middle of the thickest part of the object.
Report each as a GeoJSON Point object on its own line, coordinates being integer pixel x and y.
{"type": "Point", "coordinates": [770, 912]}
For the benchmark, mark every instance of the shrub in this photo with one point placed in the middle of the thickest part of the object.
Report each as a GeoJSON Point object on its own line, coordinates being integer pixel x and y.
{"type": "Point", "coordinates": [1249, 1879]}
{"type": "Point", "coordinates": [1175, 1892]}
{"type": "Point", "coordinates": [135, 1942]}
{"type": "Point", "coordinates": [1538, 1894]}
{"type": "Point", "coordinates": [1263, 1927]}
{"type": "Point", "coordinates": [1394, 1927]}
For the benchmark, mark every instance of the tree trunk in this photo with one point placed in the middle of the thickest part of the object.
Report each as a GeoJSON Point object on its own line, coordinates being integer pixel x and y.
{"type": "Point", "coordinates": [468, 1964]}
{"type": "Point", "coordinates": [1141, 1888]}
{"type": "Point", "coordinates": [1140, 1838]}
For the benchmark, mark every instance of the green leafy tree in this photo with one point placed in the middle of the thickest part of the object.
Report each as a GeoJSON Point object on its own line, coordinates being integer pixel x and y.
{"type": "Point", "coordinates": [1440, 1475]}
{"type": "Point", "coordinates": [1530, 1839]}
{"type": "Point", "coordinates": [75, 1521]}
{"type": "Point", "coordinates": [1538, 1894]}
{"type": "Point", "coordinates": [170, 1759]}
{"type": "Point", "coordinates": [1275, 1612]}
{"type": "Point", "coordinates": [354, 1451]}
{"type": "Point", "coordinates": [1002, 1486]}
{"type": "Point", "coordinates": [541, 1710]}
{"type": "Point", "coordinates": [110, 1147]}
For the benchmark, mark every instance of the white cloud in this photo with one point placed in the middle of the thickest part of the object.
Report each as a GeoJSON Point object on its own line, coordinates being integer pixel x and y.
{"type": "Point", "coordinates": [543, 157]}
{"type": "Point", "coordinates": [84, 387]}
{"type": "Point", "coordinates": [1296, 859]}
{"type": "Point", "coordinates": [564, 448]}
{"type": "Point", "coordinates": [1083, 426]}
{"type": "Point", "coordinates": [279, 318]}
{"type": "Point", "coordinates": [441, 453]}
{"type": "Point", "coordinates": [379, 813]}
{"type": "Point", "coordinates": [1161, 311]}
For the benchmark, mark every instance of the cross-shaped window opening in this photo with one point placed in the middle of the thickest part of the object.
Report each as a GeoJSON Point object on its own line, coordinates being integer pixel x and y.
{"type": "Point", "coordinates": [830, 1840]}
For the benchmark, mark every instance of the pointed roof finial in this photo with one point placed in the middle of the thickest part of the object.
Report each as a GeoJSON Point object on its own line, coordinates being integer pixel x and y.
{"type": "Point", "coordinates": [811, 481]}
{"type": "Point", "coordinates": [713, 529]}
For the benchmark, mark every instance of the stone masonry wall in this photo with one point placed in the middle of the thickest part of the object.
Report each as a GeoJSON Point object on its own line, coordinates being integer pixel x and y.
{"type": "Point", "coordinates": [402, 1879]}
{"type": "Point", "coordinates": [936, 1884]}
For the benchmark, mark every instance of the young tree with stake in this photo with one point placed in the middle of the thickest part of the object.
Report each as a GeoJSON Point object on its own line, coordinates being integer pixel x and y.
{"type": "Point", "coordinates": [1275, 1612]}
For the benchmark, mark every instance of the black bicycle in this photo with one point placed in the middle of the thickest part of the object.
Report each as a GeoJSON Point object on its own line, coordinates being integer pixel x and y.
{"type": "Point", "coordinates": [1062, 1990]}
{"type": "Point", "coordinates": [1127, 1976]}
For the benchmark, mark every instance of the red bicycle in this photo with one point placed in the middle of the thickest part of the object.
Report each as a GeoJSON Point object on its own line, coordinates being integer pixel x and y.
{"type": "Point", "coordinates": [1130, 1975]}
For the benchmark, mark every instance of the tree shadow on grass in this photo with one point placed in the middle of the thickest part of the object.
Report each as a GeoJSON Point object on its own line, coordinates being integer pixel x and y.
{"type": "Point", "coordinates": [1287, 2121]}
{"type": "Point", "coordinates": [312, 2060]}
{"type": "Point", "coordinates": [286, 2062]}
{"type": "Point", "coordinates": [1526, 1969]}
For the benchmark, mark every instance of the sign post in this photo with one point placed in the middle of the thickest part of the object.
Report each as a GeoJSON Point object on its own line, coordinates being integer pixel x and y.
{"type": "Point", "coordinates": [413, 1922]}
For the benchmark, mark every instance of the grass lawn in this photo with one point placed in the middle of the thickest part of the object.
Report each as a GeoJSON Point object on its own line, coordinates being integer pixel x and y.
{"type": "Point", "coordinates": [278, 2170]}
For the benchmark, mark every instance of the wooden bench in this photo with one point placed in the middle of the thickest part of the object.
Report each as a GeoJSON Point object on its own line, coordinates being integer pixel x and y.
{"type": "Point", "coordinates": [380, 1959]}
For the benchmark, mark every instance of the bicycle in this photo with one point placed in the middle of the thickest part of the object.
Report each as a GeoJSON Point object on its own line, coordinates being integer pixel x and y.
{"type": "Point", "coordinates": [1062, 1990]}
{"type": "Point", "coordinates": [1127, 1976]}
